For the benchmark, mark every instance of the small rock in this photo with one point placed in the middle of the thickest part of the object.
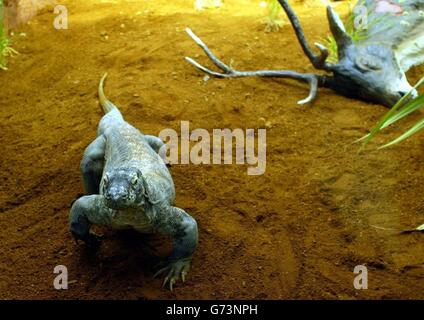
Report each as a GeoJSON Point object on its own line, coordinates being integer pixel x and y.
{"type": "Point", "coordinates": [268, 125]}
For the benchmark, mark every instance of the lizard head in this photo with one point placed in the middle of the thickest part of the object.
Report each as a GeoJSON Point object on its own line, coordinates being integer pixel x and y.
{"type": "Point", "coordinates": [123, 188]}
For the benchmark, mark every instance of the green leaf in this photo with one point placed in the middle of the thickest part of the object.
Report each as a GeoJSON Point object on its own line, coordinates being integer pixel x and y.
{"type": "Point", "coordinates": [421, 227]}
{"type": "Point", "coordinates": [408, 109]}
{"type": "Point", "coordinates": [397, 112]}
{"type": "Point", "coordinates": [417, 127]}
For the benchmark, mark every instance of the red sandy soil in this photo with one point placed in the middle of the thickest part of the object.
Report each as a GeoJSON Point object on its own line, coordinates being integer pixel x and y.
{"type": "Point", "coordinates": [295, 232]}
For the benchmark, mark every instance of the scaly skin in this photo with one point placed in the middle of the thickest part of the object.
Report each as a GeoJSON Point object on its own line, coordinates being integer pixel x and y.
{"type": "Point", "coordinates": [128, 186]}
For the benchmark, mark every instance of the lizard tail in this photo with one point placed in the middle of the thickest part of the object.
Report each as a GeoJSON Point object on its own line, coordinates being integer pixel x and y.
{"type": "Point", "coordinates": [107, 106]}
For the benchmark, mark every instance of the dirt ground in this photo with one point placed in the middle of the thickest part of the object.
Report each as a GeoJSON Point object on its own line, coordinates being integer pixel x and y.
{"type": "Point", "coordinates": [296, 232]}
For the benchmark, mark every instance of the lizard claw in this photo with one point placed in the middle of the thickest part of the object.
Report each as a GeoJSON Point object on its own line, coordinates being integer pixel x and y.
{"type": "Point", "coordinates": [91, 240]}
{"type": "Point", "coordinates": [171, 282]}
{"type": "Point", "coordinates": [174, 270]}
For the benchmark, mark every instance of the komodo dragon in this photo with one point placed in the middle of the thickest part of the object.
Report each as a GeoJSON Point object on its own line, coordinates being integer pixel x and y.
{"type": "Point", "coordinates": [128, 186]}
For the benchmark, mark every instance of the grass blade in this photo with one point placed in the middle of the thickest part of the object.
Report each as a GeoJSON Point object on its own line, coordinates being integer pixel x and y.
{"type": "Point", "coordinates": [408, 109]}
{"type": "Point", "coordinates": [392, 115]}
{"type": "Point", "coordinates": [417, 127]}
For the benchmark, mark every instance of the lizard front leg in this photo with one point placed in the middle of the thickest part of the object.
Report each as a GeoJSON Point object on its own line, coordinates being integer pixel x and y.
{"type": "Point", "coordinates": [182, 228]}
{"type": "Point", "coordinates": [158, 146]}
{"type": "Point", "coordinates": [155, 142]}
{"type": "Point", "coordinates": [92, 165]}
{"type": "Point", "coordinates": [85, 212]}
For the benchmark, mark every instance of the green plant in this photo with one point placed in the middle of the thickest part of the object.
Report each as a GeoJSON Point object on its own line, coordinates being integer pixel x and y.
{"type": "Point", "coordinates": [356, 33]}
{"type": "Point", "coordinates": [3, 39]}
{"type": "Point", "coordinates": [273, 21]}
{"type": "Point", "coordinates": [5, 49]}
{"type": "Point", "coordinates": [401, 109]}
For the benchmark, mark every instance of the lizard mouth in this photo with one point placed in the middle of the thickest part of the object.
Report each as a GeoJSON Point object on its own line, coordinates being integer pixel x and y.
{"type": "Point", "coordinates": [116, 205]}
